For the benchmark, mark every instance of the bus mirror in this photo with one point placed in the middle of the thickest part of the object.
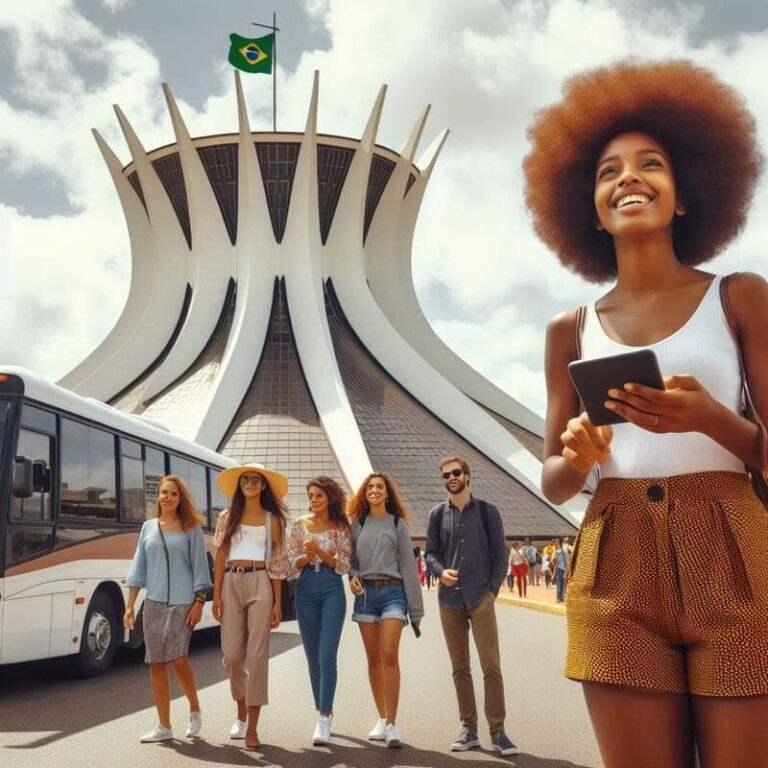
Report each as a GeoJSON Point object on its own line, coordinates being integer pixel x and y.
{"type": "Point", "coordinates": [41, 476]}
{"type": "Point", "coordinates": [22, 478]}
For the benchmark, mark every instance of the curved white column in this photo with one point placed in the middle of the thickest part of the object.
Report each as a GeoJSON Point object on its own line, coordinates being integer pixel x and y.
{"type": "Point", "coordinates": [348, 225]}
{"type": "Point", "coordinates": [301, 253]}
{"type": "Point", "coordinates": [257, 265]}
{"type": "Point", "coordinates": [346, 265]}
{"type": "Point", "coordinates": [158, 280]}
{"type": "Point", "coordinates": [210, 266]}
{"type": "Point", "coordinates": [390, 273]}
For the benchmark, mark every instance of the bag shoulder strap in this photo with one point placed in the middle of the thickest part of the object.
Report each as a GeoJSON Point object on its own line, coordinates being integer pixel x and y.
{"type": "Point", "coordinates": [167, 563]}
{"type": "Point", "coordinates": [581, 319]}
{"type": "Point", "coordinates": [749, 406]}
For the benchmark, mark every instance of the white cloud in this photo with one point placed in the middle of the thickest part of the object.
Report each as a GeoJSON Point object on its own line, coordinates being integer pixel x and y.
{"type": "Point", "coordinates": [116, 5]}
{"type": "Point", "coordinates": [485, 74]}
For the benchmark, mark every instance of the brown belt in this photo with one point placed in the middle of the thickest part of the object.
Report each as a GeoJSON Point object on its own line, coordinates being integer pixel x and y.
{"type": "Point", "coordinates": [244, 566]}
{"type": "Point", "coordinates": [382, 582]}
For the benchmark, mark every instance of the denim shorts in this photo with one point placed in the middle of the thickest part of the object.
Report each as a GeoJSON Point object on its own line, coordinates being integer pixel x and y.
{"type": "Point", "coordinates": [378, 603]}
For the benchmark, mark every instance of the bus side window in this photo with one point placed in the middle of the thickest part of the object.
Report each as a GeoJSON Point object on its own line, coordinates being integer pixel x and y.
{"type": "Point", "coordinates": [37, 507]}
{"type": "Point", "coordinates": [87, 472]}
{"type": "Point", "coordinates": [199, 490]}
{"type": "Point", "coordinates": [219, 501]}
{"type": "Point", "coordinates": [154, 471]}
{"type": "Point", "coordinates": [132, 501]}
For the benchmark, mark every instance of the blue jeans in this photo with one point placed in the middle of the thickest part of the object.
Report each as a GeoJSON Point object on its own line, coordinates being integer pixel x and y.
{"type": "Point", "coordinates": [321, 606]}
{"type": "Point", "coordinates": [560, 585]}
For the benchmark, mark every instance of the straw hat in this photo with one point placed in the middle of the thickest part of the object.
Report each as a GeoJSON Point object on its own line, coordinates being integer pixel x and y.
{"type": "Point", "coordinates": [230, 477]}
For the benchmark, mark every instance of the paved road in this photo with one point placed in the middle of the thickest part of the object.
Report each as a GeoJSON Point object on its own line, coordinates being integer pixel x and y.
{"type": "Point", "coordinates": [50, 719]}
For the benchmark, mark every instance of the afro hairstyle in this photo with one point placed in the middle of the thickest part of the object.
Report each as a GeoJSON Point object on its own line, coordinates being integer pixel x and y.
{"type": "Point", "coordinates": [703, 125]}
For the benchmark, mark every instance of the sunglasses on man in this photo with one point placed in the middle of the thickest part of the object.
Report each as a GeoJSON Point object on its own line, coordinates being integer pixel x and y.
{"type": "Point", "coordinates": [453, 473]}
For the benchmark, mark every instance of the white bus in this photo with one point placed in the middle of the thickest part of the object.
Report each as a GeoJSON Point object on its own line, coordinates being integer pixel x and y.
{"type": "Point", "coordinates": [77, 479]}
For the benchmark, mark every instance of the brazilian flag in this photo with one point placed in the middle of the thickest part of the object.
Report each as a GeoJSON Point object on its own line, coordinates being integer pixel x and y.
{"type": "Point", "coordinates": [251, 54]}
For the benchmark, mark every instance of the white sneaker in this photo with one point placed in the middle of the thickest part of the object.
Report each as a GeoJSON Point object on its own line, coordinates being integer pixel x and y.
{"type": "Point", "coordinates": [161, 733]}
{"type": "Point", "coordinates": [322, 734]}
{"type": "Point", "coordinates": [237, 731]}
{"type": "Point", "coordinates": [195, 725]}
{"type": "Point", "coordinates": [377, 732]}
{"type": "Point", "coordinates": [392, 736]}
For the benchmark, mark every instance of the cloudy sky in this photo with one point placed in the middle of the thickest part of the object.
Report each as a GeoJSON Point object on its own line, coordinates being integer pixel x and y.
{"type": "Point", "coordinates": [485, 283]}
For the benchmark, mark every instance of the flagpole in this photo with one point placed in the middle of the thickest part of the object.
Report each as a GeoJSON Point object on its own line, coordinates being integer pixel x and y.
{"type": "Point", "coordinates": [275, 30]}
{"type": "Point", "coordinates": [274, 73]}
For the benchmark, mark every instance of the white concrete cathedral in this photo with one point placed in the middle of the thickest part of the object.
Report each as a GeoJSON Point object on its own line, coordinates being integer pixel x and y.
{"type": "Point", "coordinates": [272, 316]}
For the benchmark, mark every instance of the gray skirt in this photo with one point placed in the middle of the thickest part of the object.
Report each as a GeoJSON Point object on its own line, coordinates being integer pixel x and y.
{"type": "Point", "coordinates": [166, 634]}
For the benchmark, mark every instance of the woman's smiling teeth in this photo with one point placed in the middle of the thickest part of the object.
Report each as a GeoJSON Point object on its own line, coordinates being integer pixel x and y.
{"type": "Point", "coordinates": [623, 202]}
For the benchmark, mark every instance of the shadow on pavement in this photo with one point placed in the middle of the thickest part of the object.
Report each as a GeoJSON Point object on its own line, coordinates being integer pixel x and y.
{"type": "Point", "coordinates": [74, 705]}
{"type": "Point", "coordinates": [347, 752]}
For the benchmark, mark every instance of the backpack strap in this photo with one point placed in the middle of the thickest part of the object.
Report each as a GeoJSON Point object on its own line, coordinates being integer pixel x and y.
{"type": "Point", "coordinates": [484, 519]}
{"type": "Point", "coordinates": [439, 513]}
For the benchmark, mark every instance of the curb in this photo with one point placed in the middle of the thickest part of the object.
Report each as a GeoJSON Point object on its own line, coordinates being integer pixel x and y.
{"type": "Point", "coordinates": [534, 605]}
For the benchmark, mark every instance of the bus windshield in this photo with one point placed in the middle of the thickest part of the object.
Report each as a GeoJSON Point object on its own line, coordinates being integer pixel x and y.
{"type": "Point", "coordinates": [5, 411]}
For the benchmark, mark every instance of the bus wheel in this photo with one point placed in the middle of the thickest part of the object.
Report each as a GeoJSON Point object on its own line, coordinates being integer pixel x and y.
{"type": "Point", "coordinates": [99, 638]}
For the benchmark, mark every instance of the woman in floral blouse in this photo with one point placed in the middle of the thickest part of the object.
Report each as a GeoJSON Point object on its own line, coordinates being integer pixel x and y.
{"type": "Point", "coordinates": [319, 550]}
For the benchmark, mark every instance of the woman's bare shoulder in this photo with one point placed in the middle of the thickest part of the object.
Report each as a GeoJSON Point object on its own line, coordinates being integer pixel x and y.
{"type": "Point", "coordinates": [748, 295]}
{"type": "Point", "coordinates": [747, 285]}
{"type": "Point", "coordinates": [562, 331]}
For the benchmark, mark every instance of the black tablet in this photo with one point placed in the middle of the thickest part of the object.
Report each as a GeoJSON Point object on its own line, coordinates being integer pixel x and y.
{"type": "Point", "coordinates": [593, 379]}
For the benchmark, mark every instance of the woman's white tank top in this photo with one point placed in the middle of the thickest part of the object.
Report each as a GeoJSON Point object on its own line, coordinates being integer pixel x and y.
{"type": "Point", "coordinates": [249, 542]}
{"type": "Point", "coordinates": [704, 348]}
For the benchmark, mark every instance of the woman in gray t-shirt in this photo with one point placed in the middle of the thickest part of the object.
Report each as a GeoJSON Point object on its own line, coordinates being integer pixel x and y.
{"type": "Point", "coordinates": [385, 582]}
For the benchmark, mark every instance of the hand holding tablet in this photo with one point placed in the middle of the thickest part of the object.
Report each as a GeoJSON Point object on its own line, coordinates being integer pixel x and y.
{"type": "Point", "coordinates": [593, 379]}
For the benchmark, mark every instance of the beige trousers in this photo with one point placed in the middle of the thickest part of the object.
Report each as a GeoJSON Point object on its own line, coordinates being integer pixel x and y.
{"type": "Point", "coordinates": [245, 626]}
{"type": "Point", "coordinates": [456, 624]}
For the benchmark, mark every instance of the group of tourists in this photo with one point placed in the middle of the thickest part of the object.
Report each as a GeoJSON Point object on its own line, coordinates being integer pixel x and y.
{"type": "Point", "coordinates": [367, 539]}
{"type": "Point", "coordinates": [528, 565]}
{"type": "Point", "coordinates": [640, 174]}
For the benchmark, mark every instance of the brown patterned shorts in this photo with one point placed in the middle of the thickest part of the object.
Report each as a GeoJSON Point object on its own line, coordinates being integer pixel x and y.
{"type": "Point", "coordinates": [668, 586]}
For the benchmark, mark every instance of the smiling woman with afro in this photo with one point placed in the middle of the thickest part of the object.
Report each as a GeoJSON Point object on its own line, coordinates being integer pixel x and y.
{"type": "Point", "coordinates": [642, 172]}
{"type": "Point", "coordinates": [703, 124]}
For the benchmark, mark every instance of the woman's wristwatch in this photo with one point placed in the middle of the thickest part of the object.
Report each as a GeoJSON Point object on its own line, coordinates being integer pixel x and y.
{"type": "Point", "coordinates": [201, 596]}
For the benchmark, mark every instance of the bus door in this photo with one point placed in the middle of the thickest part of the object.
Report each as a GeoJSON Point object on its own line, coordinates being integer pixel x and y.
{"type": "Point", "coordinates": [31, 603]}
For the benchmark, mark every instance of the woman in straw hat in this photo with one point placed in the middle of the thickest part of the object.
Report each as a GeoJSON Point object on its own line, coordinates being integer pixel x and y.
{"type": "Point", "coordinates": [247, 585]}
{"type": "Point", "coordinates": [170, 563]}
{"type": "Point", "coordinates": [639, 175]}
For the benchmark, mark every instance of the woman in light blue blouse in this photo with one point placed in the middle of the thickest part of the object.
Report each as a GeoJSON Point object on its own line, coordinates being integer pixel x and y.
{"type": "Point", "coordinates": [170, 563]}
